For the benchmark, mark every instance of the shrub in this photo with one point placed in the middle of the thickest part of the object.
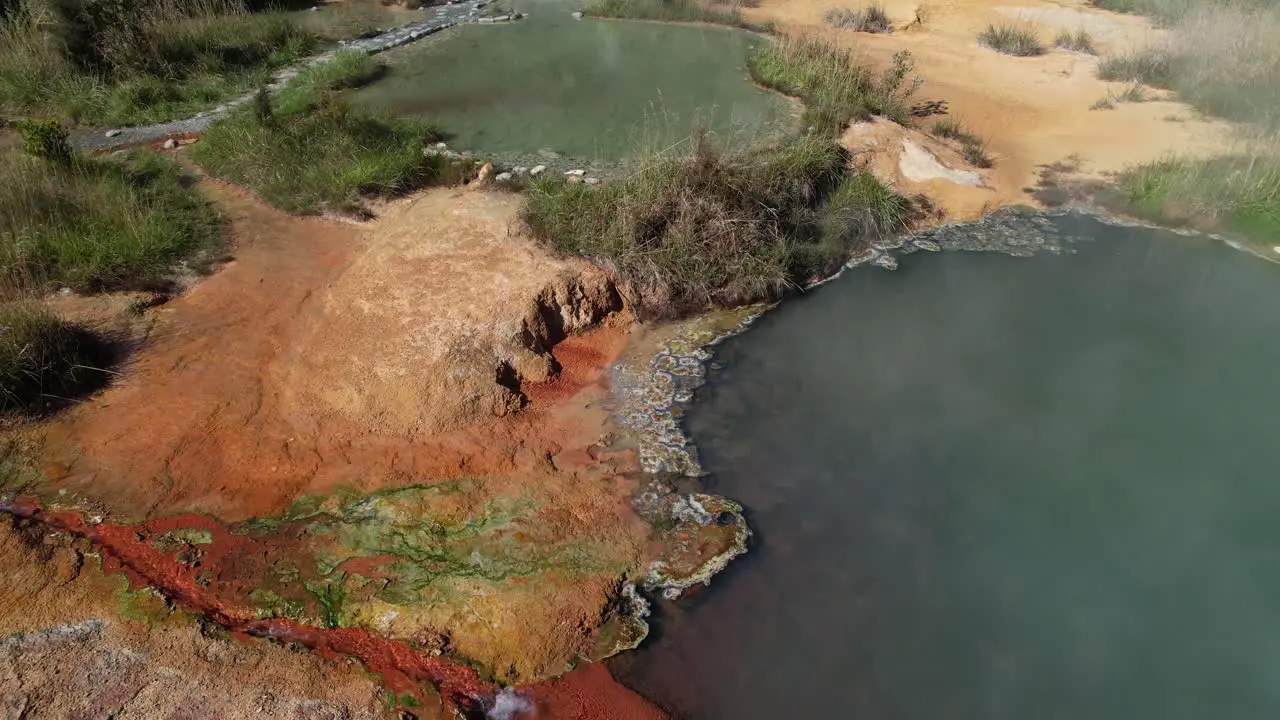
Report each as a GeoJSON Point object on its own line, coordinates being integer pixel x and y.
{"type": "Point", "coordinates": [45, 139]}
{"type": "Point", "coordinates": [45, 360]}
{"type": "Point", "coordinates": [118, 223]}
{"type": "Point", "coordinates": [311, 152]}
{"type": "Point", "coordinates": [835, 89]}
{"type": "Point", "coordinates": [1017, 40]}
{"type": "Point", "coordinates": [1079, 41]}
{"type": "Point", "coordinates": [872, 19]}
{"type": "Point", "coordinates": [712, 228]}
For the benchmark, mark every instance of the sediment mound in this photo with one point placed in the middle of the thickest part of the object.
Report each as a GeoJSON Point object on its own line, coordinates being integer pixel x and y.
{"type": "Point", "coordinates": [440, 319]}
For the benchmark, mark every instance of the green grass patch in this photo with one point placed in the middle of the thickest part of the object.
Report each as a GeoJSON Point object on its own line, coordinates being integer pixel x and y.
{"type": "Point", "coordinates": [668, 11]}
{"type": "Point", "coordinates": [971, 146]}
{"type": "Point", "coordinates": [1078, 41]}
{"type": "Point", "coordinates": [46, 361]}
{"type": "Point", "coordinates": [125, 222]}
{"type": "Point", "coordinates": [138, 62]}
{"type": "Point", "coordinates": [1012, 39]}
{"type": "Point", "coordinates": [835, 88]}
{"type": "Point", "coordinates": [713, 228]}
{"type": "Point", "coordinates": [870, 19]}
{"type": "Point", "coordinates": [308, 151]}
{"type": "Point", "coordinates": [1237, 193]}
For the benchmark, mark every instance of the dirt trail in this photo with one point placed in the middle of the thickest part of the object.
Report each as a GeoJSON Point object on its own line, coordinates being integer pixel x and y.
{"type": "Point", "coordinates": [1031, 112]}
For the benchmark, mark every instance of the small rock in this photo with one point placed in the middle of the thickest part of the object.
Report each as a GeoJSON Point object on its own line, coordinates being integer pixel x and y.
{"type": "Point", "coordinates": [113, 133]}
{"type": "Point", "coordinates": [315, 8]}
{"type": "Point", "coordinates": [576, 173]}
{"type": "Point", "coordinates": [576, 15]}
{"type": "Point", "coordinates": [502, 177]}
{"type": "Point", "coordinates": [520, 170]}
{"type": "Point", "coordinates": [170, 144]}
{"type": "Point", "coordinates": [537, 170]}
{"type": "Point", "coordinates": [591, 181]}
{"type": "Point", "coordinates": [64, 291]}
{"type": "Point", "coordinates": [441, 146]}
{"type": "Point", "coordinates": [486, 21]}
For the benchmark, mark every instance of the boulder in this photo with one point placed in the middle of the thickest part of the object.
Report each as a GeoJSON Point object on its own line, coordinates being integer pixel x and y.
{"type": "Point", "coordinates": [537, 170]}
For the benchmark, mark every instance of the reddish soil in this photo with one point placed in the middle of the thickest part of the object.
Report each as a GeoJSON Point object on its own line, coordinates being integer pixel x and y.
{"type": "Point", "coordinates": [205, 429]}
{"type": "Point", "coordinates": [204, 419]}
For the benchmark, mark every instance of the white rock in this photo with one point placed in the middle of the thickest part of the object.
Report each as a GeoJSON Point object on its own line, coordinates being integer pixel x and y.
{"type": "Point", "coordinates": [170, 144]}
{"type": "Point", "coordinates": [576, 173]}
{"type": "Point", "coordinates": [520, 170]}
{"type": "Point", "coordinates": [576, 15]}
{"type": "Point", "coordinates": [591, 181]}
{"type": "Point", "coordinates": [441, 146]}
{"type": "Point", "coordinates": [113, 133]}
{"type": "Point", "coordinates": [538, 170]}
{"type": "Point", "coordinates": [502, 177]}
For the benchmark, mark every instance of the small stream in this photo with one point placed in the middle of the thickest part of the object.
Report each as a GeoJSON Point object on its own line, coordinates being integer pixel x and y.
{"type": "Point", "coordinates": [995, 487]}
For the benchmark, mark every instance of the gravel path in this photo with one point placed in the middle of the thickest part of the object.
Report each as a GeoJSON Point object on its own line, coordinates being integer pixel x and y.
{"type": "Point", "coordinates": [438, 18]}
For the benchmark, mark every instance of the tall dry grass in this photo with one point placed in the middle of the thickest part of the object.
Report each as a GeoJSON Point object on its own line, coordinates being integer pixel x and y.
{"type": "Point", "coordinates": [1222, 58]}
{"type": "Point", "coordinates": [707, 227]}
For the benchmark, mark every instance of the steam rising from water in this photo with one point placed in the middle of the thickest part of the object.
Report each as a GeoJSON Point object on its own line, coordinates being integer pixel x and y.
{"type": "Point", "coordinates": [509, 704]}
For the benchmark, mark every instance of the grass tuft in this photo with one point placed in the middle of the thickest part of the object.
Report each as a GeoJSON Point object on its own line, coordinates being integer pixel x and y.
{"type": "Point", "coordinates": [871, 19]}
{"type": "Point", "coordinates": [971, 146]}
{"type": "Point", "coordinates": [712, 228]}
{"type": "Point", "coordinates": [44, 360]}
{"type": "Point", "coordinates": [1010, 39]}
{"type": "Point", "coordinates": [836, 90]}
{"type": "Point", "coordinates": [1079, 41]}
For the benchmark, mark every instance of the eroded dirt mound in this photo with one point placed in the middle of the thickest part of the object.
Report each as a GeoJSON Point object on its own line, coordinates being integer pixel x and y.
{"type": "Point", "coordinates": [915, 162]}
{"type": "Point", "coordinates": [440, 318]}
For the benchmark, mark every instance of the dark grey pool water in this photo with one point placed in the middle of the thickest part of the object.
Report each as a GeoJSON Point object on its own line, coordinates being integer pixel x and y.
{"type": "Point", "coordinates": [996, 487]}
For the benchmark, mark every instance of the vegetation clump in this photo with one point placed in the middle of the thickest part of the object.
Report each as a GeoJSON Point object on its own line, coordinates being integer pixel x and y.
{"type": "Point", "coordinates": [1010, 39]}
{"type": "Point", "coordinates": [871, 19]}
{"type": "Point", "coordinates": [1238, 193]}
{"type": "Point", "coordinates": [971, 146]}
{"type": "Point", "coordinates": [1078, 41]}
{"type": "Point", "coordinates": [45, 360]}
{"type": "Point", "coordinates": [106, 61]}
{"type": "Point", "coordinates": [96, 224]}
{"type": "Point", "coordinates": [309, 151]}
{"type": "Point", "coordinates": [714, 228]}
{"type": "Point", "coordinates": [835, 89]}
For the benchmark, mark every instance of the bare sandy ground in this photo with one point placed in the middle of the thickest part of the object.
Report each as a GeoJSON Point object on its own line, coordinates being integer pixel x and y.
{"type": "Point", "coordinates": [1031, 112]}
